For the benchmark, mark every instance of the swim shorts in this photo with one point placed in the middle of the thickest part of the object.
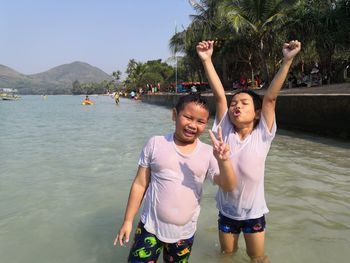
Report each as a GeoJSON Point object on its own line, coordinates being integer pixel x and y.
{"type": "Point", "coordinates": [228, 225]}
{"type": "Point", "coordinates": [147, 248]}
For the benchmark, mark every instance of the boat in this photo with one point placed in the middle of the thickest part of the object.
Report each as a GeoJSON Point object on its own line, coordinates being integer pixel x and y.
{"type": "Point", "coordinates": [87, 102]}
{"type": "Point", "coordinates": [9, 94]}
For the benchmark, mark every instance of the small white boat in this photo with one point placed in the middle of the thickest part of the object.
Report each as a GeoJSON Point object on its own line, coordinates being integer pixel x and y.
{"type": "Point", "coordinates": [9, 94]}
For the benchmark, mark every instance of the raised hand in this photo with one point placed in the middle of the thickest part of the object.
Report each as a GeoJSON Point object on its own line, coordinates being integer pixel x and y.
{"type": "Point", "coordinates": [221, 150]}
{"type": "Point", "coordinates": [205, 49]}
{"type": "Point", "coordinates": [291, 49]}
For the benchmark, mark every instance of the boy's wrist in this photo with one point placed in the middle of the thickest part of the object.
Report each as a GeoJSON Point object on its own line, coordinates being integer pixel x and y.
{"type": "Point", "coordinates": [224, 161]}
{"type": "Point", "coordinates": [206, 60]}
{"type": "Point", "coordinates": [287, 61]}
{"type": "Point", "coordinates": [128, 221]}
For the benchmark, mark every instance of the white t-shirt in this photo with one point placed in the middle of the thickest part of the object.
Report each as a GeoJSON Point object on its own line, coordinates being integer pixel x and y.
{"type": "Point", "coordinates": [248, 157]}
{"type": "Point", "coordinates": [171, 203]}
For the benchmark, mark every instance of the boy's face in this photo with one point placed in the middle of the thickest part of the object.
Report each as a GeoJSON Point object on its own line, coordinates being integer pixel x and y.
{"type": "Point", "coordinates": [241, 110]}
{"type": "Point", "coordinates": [190, 122]}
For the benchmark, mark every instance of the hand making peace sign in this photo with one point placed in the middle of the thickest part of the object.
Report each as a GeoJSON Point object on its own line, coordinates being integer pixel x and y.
{"type": "Point", "coordinates": [221, 150]}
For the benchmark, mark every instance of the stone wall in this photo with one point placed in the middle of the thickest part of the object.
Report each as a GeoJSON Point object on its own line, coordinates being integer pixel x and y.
{"type": "Point", "coordinates": [323, 114]}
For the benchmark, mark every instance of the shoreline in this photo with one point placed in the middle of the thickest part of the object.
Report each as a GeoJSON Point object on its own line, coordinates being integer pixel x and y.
{"type": "Point", "coordinates": [322, 110]}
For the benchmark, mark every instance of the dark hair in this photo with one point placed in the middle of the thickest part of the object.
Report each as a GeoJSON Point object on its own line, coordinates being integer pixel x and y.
{"type": "Point", "coordinates": [192, 97]}
{"type": "Point", "coordinates": [256, 98]}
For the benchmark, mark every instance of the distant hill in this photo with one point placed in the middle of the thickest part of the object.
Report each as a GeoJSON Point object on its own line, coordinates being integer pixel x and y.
{"type": "Point", "coordinates": [10, 78]}
{"type": "Point", "coordinates": [57, 80]}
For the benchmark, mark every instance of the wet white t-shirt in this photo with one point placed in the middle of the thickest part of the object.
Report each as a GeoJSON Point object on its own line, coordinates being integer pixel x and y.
{"type": "Point", "coordinates": [171, 204]}
{"type": "Point", "coordinates": [248, 157]}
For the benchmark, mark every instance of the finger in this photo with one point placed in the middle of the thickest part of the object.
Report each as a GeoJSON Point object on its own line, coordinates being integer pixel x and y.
{"type": "Point", "coordinates": [127, 236]}
{"type": "Point", "coordinates": [116, 240]}
{"type": "Point", "coordinates": [199, 45]}
{"type": "Point", "coordinates": [121, 239]}
{"type": "Point", "coordinates": [293, 44]}
{"type": "Point", "coordinates": [220, 134]}
{"type": "Point", "coordinates": [212, 137]}
{"type": "Point", "coordinates": [226, 149]}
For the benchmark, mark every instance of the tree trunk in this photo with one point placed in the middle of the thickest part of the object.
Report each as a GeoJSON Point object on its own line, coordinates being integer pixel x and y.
{"type": "Point", "coordinates": [252, 71]}
{"type": "Point", "coordinates": [226, 83]}
{"type": "Point", "coordinates": [264, 66]}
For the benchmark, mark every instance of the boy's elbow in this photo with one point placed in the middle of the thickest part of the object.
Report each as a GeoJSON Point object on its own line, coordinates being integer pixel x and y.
{"type": "Point", "coordinates": [229, 187]}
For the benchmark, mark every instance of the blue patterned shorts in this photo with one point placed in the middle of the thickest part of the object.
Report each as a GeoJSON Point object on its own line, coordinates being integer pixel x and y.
{"type": "Point", "coordinates": [228, 225]}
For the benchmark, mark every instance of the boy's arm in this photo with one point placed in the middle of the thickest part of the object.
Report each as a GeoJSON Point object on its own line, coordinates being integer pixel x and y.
{"type": "Point", "coordinates": [137, 191]}
{"type": "Point", "coordinates": [205, 51]}
{"type": "Point", "coordinates": [227, 179]}
{"type": "Point", "coordinates": [269, 102]}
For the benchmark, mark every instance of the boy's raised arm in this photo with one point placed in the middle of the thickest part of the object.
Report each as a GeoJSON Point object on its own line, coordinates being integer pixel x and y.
{"type": "Point", "coordinates": [227, 179]}
{"type": "Point", "coordinates": [137, 191]}
{"type": "Point", "coordinates": [205, 52]}
{"type": "Point", "coordinates": [290, 50]}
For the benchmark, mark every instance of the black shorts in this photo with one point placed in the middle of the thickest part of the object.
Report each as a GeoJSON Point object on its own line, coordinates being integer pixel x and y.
{"type": "Point", "coordinates": [228, 225]}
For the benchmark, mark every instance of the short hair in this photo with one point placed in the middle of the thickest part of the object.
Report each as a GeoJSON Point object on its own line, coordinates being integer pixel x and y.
{"type": "Point", "coordinates": [256, 98]}
{"type": "Point", "coordinates": [192, 97]}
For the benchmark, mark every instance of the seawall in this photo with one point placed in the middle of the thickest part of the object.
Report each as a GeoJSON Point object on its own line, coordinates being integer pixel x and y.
{"type": "Point", "coordinates": [317, 113]}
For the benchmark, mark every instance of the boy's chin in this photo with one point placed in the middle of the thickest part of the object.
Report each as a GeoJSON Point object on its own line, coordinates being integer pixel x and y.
{"type": "Point", "coordinates": [188, 140]}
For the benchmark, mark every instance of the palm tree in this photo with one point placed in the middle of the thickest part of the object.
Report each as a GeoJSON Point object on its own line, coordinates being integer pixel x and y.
{"type": "Point", "coordinates": [116, 75]}
{"type": "Point", "coordinates": [134, 71]}
{"type": "Point", "coordinates": [205, 25]}
{"type": "Point", "coordinates": [257, 20]}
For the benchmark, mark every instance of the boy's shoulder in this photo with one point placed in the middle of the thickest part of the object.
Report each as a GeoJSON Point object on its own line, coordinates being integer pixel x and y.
{"type": "Point", "coordinates": [162, 138]}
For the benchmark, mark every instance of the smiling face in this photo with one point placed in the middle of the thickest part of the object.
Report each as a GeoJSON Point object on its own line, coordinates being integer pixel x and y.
{"type": "Point", "coordinates": [242, 111]}
{"type": "Point", "coordinates": [190, 122]}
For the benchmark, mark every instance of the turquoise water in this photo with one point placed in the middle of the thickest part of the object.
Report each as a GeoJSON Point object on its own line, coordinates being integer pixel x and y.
{"type": "Point", "coordinates": [66, 170]}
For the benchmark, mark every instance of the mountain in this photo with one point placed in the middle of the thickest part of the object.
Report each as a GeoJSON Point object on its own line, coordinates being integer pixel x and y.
{"type": "Point", "coordinates": [57, 80]}
{"type": "Point", "coordinates": [9, 72]}
{"type": "Point", "coordinates": [10, 78]}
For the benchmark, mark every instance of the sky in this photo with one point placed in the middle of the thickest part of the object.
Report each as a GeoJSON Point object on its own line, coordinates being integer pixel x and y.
{"type": "Point", "coordinates": [37, 35]}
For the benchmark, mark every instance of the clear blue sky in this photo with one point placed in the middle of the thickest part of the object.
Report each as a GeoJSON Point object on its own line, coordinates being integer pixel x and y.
{"type": "Point", "coordinates": [36, 35]}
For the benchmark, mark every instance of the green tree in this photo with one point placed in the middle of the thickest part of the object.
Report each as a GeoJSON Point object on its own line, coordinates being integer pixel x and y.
{"type": "Point", "coordinates": [116, 75]}
{"type": "Point", "coordinates": [258, 21]}
{"type": "Point", "coordinates": [77, 88]}
{"type": "Point", "coordinates": [205, 25]}
{"type": "Point", "coordinates": [323, 26]}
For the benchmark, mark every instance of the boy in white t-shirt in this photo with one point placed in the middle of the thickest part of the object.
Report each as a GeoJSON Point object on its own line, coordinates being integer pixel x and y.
{"type": "Point", "coordinates": [248, 126]}
{"type": "Point", "coordinates": [169, 179]}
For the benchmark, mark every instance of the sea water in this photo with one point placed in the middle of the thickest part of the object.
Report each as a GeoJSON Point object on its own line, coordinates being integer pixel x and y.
{"type": "Point", "coordinates": [66, 171]}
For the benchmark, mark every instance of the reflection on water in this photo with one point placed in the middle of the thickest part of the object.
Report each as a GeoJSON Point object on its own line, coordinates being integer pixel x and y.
{"type": "Point", "coordinates": [66, 169]}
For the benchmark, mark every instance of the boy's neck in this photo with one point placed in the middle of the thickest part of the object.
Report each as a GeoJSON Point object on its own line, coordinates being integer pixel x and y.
{"type": "Point", "coordinates": [185, 147]}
